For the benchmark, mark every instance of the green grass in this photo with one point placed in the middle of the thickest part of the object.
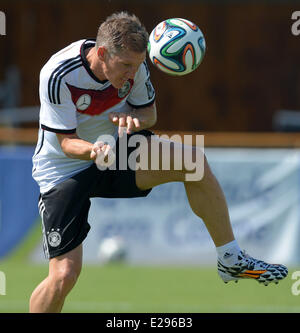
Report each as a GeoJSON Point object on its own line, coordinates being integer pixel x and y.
{"type": "Point", "coordinates": [123, 288]}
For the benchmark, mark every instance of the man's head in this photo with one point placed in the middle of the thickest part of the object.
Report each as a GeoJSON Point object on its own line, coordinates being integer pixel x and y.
{"type": "Point", "coordinates": [122, 32]}
{"type": "Point", "coordinates": [121, 46]}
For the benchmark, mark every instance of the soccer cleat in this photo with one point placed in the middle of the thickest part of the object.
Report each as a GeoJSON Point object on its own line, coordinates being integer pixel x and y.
{"type": "Point", "coordinates": [251, 268]}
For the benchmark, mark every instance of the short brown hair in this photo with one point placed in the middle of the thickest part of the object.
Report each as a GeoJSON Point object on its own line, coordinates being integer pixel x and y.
{"type": "Point", "coordinates": [122, 31]}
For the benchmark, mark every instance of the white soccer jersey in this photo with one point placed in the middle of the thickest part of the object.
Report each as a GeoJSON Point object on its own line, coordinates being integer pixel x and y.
{"type": "Point", "coordinates": [74, 100]}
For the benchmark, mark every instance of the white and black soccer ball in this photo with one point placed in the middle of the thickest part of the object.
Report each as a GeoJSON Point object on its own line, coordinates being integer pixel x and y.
{"type": "Point", "coordinates": [112, 249]}
{"type": "Point", "coordinates": [176, 46]}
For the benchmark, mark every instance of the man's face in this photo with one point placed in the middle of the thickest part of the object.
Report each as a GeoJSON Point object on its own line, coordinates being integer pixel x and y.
{"type": "Point", "coordinates": [118, 68]}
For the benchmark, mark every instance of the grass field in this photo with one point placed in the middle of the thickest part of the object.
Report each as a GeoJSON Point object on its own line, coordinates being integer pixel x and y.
{"type": "Point", "coordinates": [123, 288]}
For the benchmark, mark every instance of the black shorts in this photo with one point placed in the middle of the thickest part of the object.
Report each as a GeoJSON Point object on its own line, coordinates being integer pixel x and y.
{"type": "Point", "coordinates": [64, 209]}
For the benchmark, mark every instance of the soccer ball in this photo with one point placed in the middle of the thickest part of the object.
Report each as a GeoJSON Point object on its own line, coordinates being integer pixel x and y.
{"type": "Point", "coordinates": [176, 46]}
{"type": "Point", "coordinates": [112, 249]}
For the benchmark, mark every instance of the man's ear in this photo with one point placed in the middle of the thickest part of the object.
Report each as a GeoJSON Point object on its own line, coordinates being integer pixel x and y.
{"type": "Point", "coordinates": [101, 52]}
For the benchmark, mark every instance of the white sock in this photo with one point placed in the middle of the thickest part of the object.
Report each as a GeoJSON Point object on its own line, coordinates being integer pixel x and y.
{"type": "Point", "coordinates": [228, 253]}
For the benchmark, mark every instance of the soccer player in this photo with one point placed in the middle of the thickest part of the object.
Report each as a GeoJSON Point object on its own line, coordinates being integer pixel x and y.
{"type": "Point", "coordinates": [92, 88]}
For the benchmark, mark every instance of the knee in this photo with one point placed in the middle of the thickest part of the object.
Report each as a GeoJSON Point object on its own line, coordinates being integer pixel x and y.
{"type": "Point", "coordinates": [198, 172]}
{"type": "Point", "coordinates": [207, 172]}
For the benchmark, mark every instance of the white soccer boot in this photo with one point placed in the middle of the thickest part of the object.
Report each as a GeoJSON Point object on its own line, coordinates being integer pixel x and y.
{"type": "Point", "coordinates": [251, 268]}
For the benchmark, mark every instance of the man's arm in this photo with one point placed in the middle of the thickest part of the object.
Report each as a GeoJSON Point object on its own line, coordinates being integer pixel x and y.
{"type": "Point", "coordinates": [133, 120]}
{"type": "Point", "coordinates": [74, 147]}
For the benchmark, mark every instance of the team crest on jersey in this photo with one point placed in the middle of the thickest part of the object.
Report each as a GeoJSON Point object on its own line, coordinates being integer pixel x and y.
{"type": "Point", "coordinates": [122, 92]}
{"type": "Point", "coordinates": [83, 102]}
{"type": "Point", "coordinates": [54, 238]}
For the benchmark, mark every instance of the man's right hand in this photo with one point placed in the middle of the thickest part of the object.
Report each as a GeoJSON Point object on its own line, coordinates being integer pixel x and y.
{"type": "Point", "coordinates": [102, 154]}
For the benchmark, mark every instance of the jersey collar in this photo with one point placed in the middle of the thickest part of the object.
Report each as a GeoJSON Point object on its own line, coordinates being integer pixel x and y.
{"type": "Point", "coordinates": [86, 44]}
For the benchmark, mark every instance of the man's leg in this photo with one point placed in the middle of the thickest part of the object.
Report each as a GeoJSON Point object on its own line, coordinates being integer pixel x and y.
{"type": "Point", "coordinates": [50, 294]}
{"type": "Point", "coordinates": [207, 200]}
{"type": "Point", "coordinates": [205, 196]}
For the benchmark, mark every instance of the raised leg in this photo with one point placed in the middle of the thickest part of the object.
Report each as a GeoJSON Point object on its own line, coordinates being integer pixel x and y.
{"type": "Point", "coordinates": [205, 195]}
